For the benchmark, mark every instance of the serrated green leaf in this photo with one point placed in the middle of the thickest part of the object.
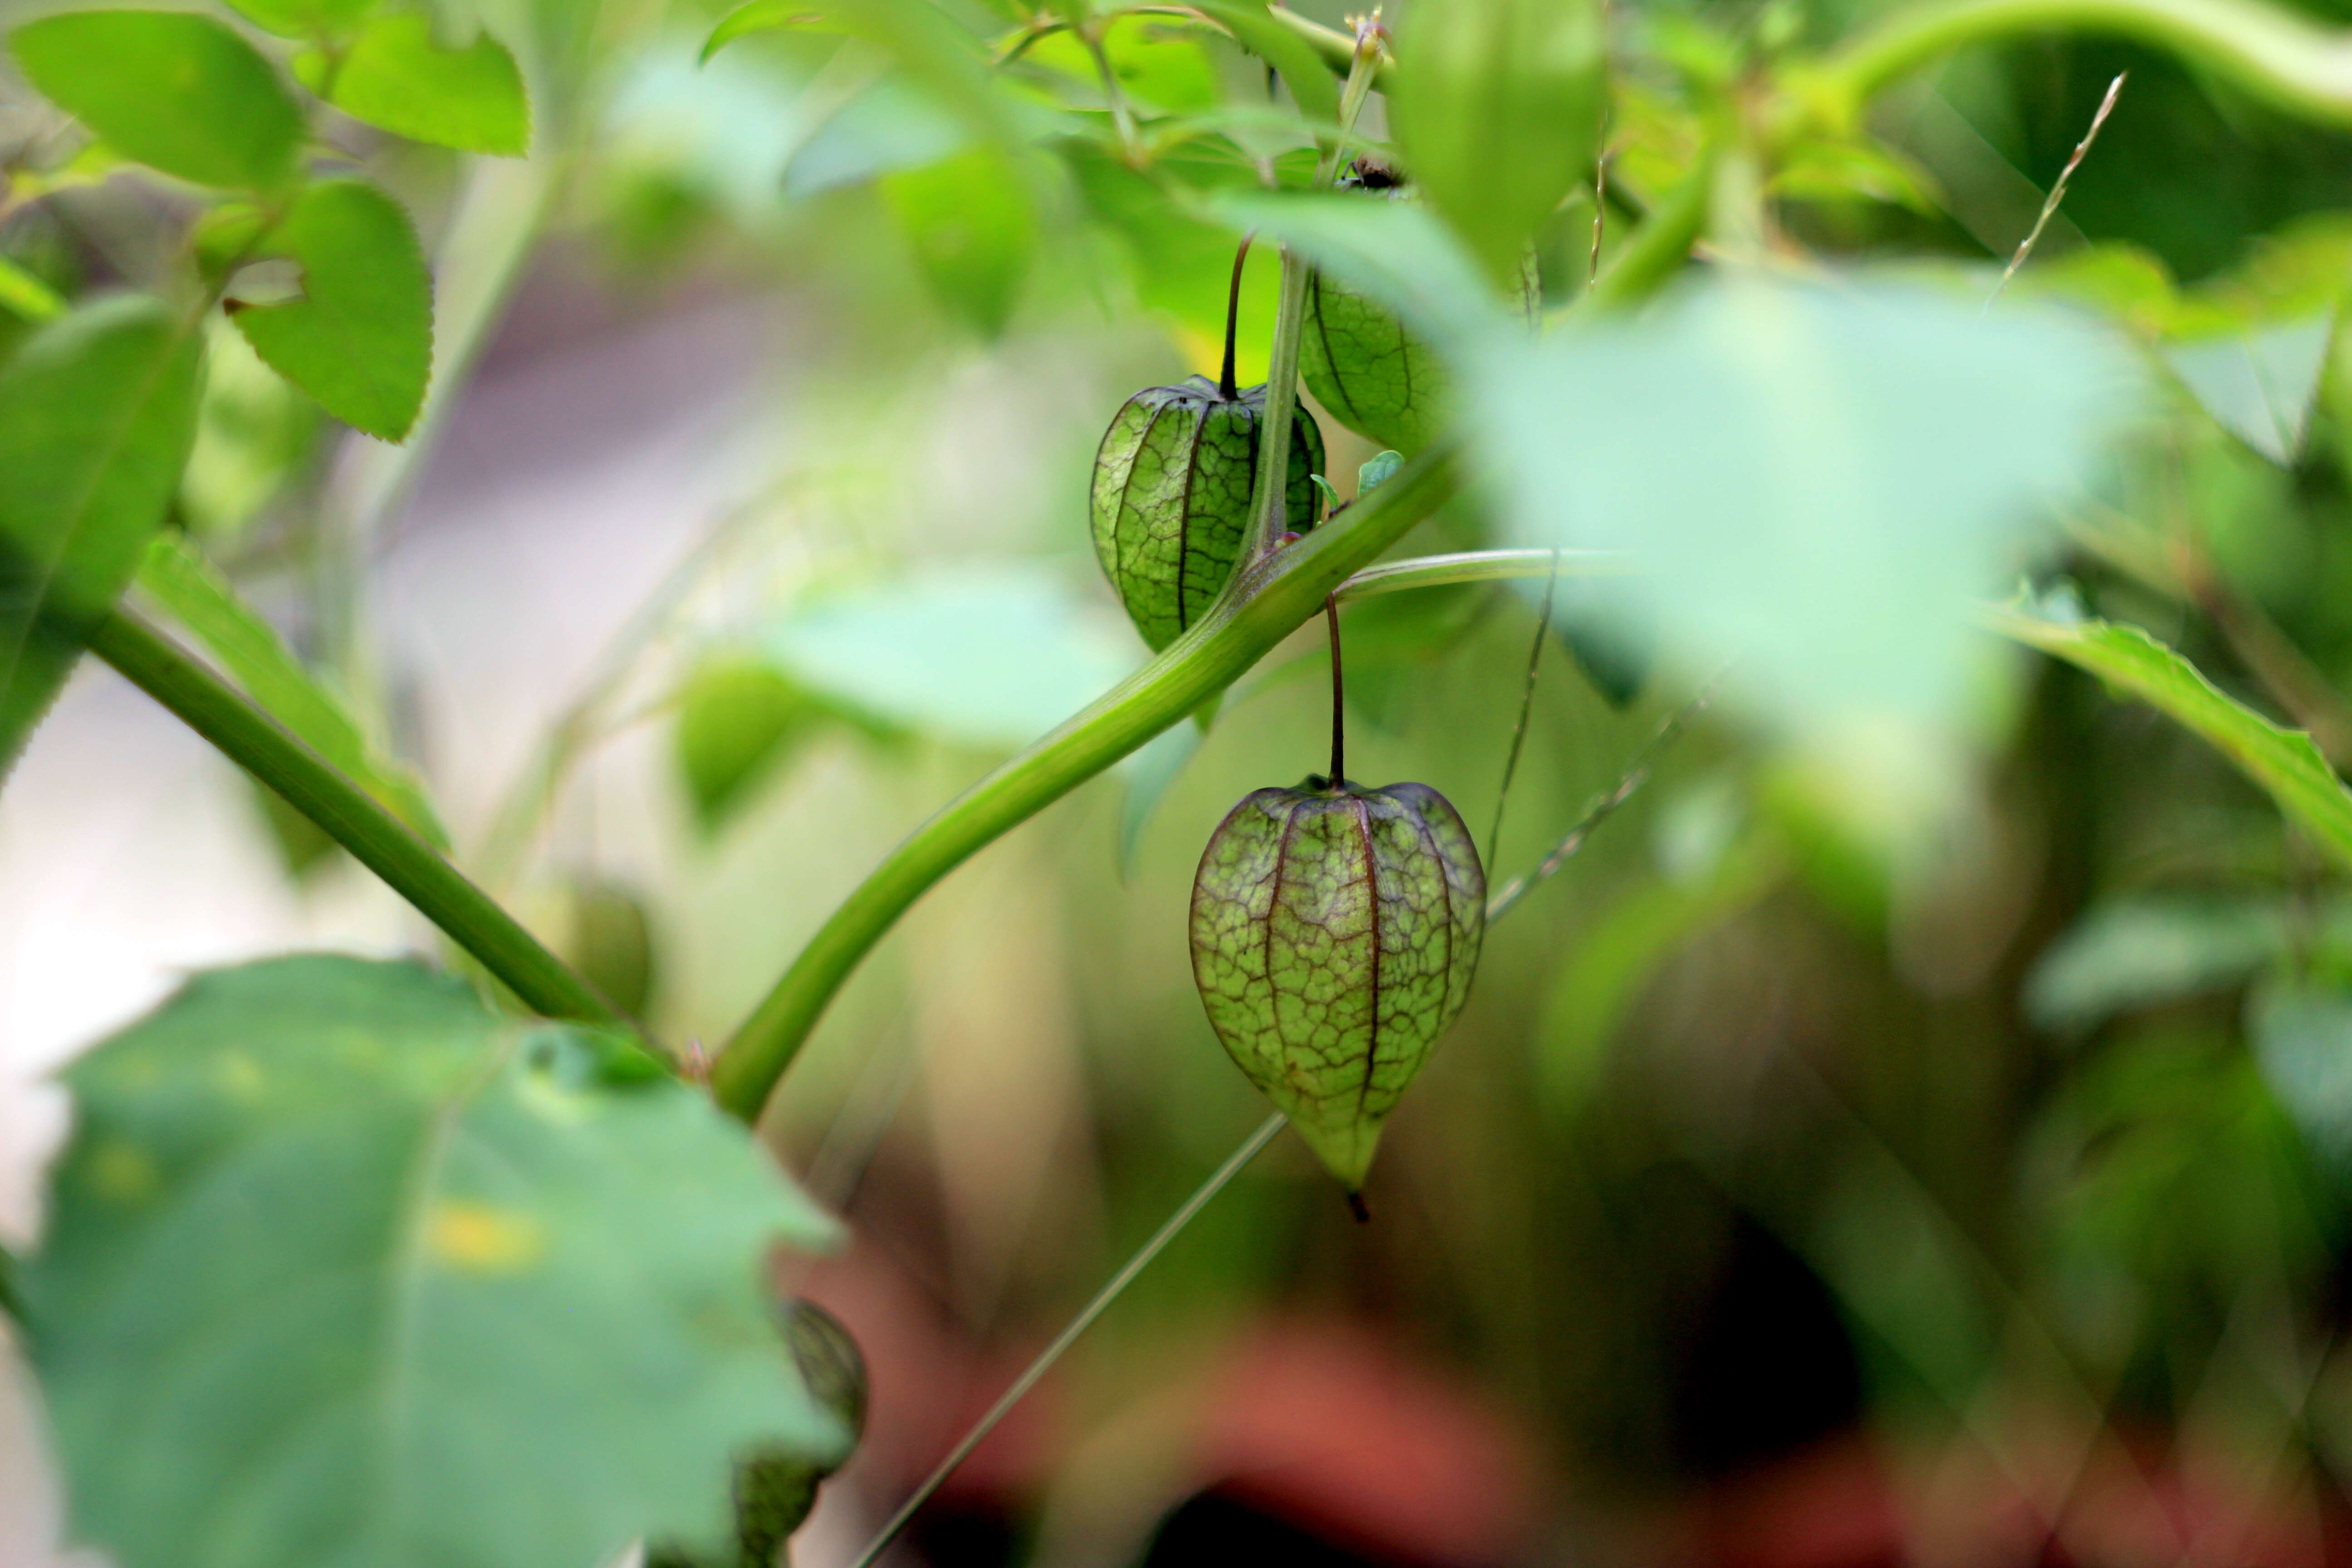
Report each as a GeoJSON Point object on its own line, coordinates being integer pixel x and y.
{"type": "Point", "coordinates": [2284, 762]}
{"type": "Point", "coordinates": [360, 340]}
{"type": "Point", "coordinates": [1335, 933]}
{"type": "Point", "coordinates": [96, 411]}
{"type": "Point", "coordinates": [310, 20]}
{"type": "Point", "coordinates": [2146, 952]}
{"type": "Point", "coordinates": [181, 93]}
{"type": "Point", "coordinates": [342, 1267]}
{"type": "Point", "coordinates": [971, 225]}
{"type": "Point", "coordinates": [177, 576]}
{"type": "Point", "coordinates": [1496, 106]}
{"type": "Point", "coordinates": [396, 77]}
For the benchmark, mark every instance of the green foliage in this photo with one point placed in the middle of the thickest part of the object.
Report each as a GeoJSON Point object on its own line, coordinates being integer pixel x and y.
{"type": "Point", "coordinates": [360, 338]}
{"type": "Point", "coordinates": [611, 942]}
{"type": "Point", "coordinates": [1335, 933]}
{"type": "Point", "coordinates": [26, 296]}
{"type": "Point", "coordinates": [775, 1487]}
{"type": "Point", "coordinates": [1497, 109]}
{"type": "Point", "coordinates": [991, 659]}
{"type": "Point", "coordinates": [738, 720]}
{"type": "Point", "coordinates": [1376, 378]}
{"type": "Point", "coordinates": [176, 575]}
{"type": "Point", "coordinates": [306, 19]}
{"type": "Point", "coordinates": [470, 1260]}
{"type": "Point", "coordinates": [2282, 761]}
{"type": "Point", "coordinates": [2302, 1037]}
{"type": "Point", "coordinates": [971, 223]}
{"type": "Point", "coordinates": [97, 411]}
{"type": "Point", "coordinates": [1309, 82]}
{"type": "Point", "coordinates": [181, 94]}
{"type": "Point", "coordinates": [1874, 459]}
{"type": "Point", "coordinates": [2146, 952]}
{"type": "Point", "coordinates": [395, 75]}
{"type": "Point", "coordinates": [1171, 496]}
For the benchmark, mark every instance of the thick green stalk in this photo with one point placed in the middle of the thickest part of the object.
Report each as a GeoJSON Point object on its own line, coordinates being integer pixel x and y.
{"type": "Point", "coordinates": [376, 838]}
{"type": "Point", "coordinates": [2266, 48]}
{"type": "Point", "coordinates": [1266, 522]}
{"type": "Point", "coordinates": [1267, 600]}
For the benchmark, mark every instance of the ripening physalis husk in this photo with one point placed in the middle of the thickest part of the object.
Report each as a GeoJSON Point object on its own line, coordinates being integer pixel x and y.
{"type": "Point", "coordinates": [1171, 496]}
{"type": "Point", "coordinates": [1335, 932]}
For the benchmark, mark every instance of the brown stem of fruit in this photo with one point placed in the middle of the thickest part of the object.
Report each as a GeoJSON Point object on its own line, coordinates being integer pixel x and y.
{"type": "Point", "coordinates": [1338, 694]}
{"type": "Point", "coordinates": [1226, 388]}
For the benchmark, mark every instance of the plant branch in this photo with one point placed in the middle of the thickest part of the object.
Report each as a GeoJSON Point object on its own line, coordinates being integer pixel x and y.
{"type": "Point", "coordinates": [377, 839]}
{"type": "Point", "coordinates": [1481, 567]}
{"type": "Point", "coordinates": [1267, 601]}
{"type": "Point", "coordinates": [2274, 53]}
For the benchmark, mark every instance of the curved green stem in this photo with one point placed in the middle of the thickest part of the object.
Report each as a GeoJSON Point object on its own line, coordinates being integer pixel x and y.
{"type": "Point", "coordinates": [1481, 567]}
{"type": "Point", "coordinates": [1267, 600]}
{"type": "Point", "coordinates": [2270, 51]}
{"type": "Point", "coordinates": [377, 839]}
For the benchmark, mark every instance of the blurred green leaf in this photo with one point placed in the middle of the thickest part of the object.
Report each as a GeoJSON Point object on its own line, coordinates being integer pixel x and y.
{"type": "Point", "coordinates": [97, 411]}
{"type": "Point", "coordinates": [737, 722]}
{"type": "Point", "coordinates": [2302, 1037]}
{"type": "Point", "coordinates": [254, 433]}
{"type": "Point", "coordinates": [1394, 251]}
{"type": "Point", "coordinates": [1815, 479]}
{"type": "Point", "coordinates": [306, 19]}
{"type": "Point", "coordinates": [2259, 384]}
{"type": "Point", "coordinates": [989, 655]}
{"type": "Point", "coordinates": [763, 16]}
{"type": "Point", "coordinates": [2282, 761]}
{"type": "Point", "coordinates": [1158, 66]}
{"type": "Point", "coordinates": [359, 339]}
{"type": "Point", "coordinates": [890, 125]}
{"type": "Point", "coordinates": [971, 225]}
{"type": "Point", "coordinates": [181, 93]}
{"type": "Point", "coordinates": [395, 77]}
{"type": "Point", "coordinates": [1303, 70]}
{"type": "Point", "coordinates": [2145, 952]}
{"type": "Point", "coordinates": [609, 940]}
{"type": "Point", "coordinates": [177, 576]}
{"type": "Point", "coordinates": [513, 1309]}
{"type": "Point", "coordinates": [1614, 958]}
{"type": "Point", "coordinates": [1496, 105]}
{"type": "Point", "coordinates": [26, 296]}
{"type": "Point", "coordinates": [1148, 773]}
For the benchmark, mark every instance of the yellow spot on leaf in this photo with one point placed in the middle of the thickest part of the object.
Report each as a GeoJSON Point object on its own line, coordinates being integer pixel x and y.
{"type": "Point", "coordinates": [479, 1239]}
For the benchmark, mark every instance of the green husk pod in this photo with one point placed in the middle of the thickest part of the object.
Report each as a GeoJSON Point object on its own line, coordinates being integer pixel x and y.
{"type": "Point", "coordinates": [1359, 361]}
{"type": "Point", "coordinates": [1171, 496]}
{"type": "Point", "coordinates": [775, 1486]}
{"type": "Point", "coordinates": [1335, 931]}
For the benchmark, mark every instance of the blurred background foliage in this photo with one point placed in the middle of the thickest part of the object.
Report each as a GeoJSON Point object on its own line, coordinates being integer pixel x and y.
{"type": "Point", "coordinates": [1796, 1190]}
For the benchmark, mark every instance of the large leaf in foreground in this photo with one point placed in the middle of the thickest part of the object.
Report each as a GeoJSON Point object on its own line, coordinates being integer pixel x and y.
{"type": "Point", "coordinates": [97, 410]}
{"type": "Point", "coordinates": [343, 1270]}
{"type": "Point", "coordinates": [2282, 761]}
